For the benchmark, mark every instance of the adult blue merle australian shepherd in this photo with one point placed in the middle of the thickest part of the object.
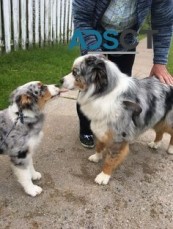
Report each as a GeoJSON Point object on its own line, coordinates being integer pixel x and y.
{"type": "Point", "coordinates": [21, 130]}
{"type": "Point", "coordinates": [120, 108]}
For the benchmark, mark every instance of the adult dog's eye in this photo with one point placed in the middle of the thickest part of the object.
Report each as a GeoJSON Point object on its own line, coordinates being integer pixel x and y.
{"type": "Point", "coordinates": [43, 88]}
{"type": "Point", "coordinates": [74, 72]}
{"type": "Point", "coordinates": [77, 78]}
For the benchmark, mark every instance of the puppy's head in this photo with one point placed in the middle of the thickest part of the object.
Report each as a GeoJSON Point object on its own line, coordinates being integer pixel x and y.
{"type": "Point", "coordinates": [87, 71]}
{"type": "Point", "coordinates": [33, 94]}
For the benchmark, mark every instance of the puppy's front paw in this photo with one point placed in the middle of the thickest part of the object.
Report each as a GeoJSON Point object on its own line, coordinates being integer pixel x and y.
{"type": "Point", "coordinates": [154, 145]}
{"type": "Point", "coordinates": [95, 157]}
{"type": "Point", "coordinates": [33, 190]}
{"type": "Point", "coordinates": [36, 176]}
{"type": "Point", "coordinates": [102, 178]}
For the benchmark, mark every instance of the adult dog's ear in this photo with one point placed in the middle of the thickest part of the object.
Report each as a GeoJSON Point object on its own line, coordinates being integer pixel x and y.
{"type": "Point", "coordinates": [99, 74]}
{"type": "Point", "coordinates": [91, 60]}
{"type": "Point", "coordinates": [134, 107]}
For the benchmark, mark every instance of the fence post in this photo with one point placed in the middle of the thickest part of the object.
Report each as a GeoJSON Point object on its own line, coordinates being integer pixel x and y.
{"type": "Point", "coordinates": [36, 8]}
{"type": "Point", "coordinates": [30, 22]}
{"type": "Point", "coordinates": [66, 21]}
{"type": "Point", "coordinates": [15, 7]}
{"type": "Point", "coordinates": [50, 21]}
{"type": "Point", "coordinates": [54, 8]}
{"type": "Point", "coordinates": [42, 5]}
{"type": "Point", "coordinates": [7, 25]}
{"type": "Point", "coordinates": [62, 20]}
{"type": "Point", "coordinates": [23, 23]}
{"type": "Point", "coordinates": [58, 21]}
{"type": "Point", "coordinates": [70, 20]}
{"type": "Point", "coordinates": [0, 26]}
{"type": "Point", "coordinates": [47, 20]}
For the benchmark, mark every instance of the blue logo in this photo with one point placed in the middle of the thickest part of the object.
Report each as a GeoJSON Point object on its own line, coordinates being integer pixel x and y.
{"type": "Point", "coordinates": [110, 36]}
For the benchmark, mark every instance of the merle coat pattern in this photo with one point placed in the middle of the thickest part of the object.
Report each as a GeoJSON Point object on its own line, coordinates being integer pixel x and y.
{"type": "Point", "coordinates": [21, 130]}
{"type": "Point", "coordinates": [120, 107]}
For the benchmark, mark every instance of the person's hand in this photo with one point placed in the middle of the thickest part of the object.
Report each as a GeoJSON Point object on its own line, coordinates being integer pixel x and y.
{"type": "Point", "coordinates": [161, 72]}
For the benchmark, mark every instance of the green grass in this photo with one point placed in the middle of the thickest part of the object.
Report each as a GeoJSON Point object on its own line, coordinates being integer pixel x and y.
{"type": "Point", "coordinates": [170, 61]}
{"type": "Point", "coordinates": [47, 64]}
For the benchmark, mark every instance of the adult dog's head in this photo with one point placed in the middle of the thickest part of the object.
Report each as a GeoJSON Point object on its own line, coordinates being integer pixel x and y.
{"type": "Point", "coordinates": [33, 94]}
{"type": "Point", "coordinates": [88, 72]}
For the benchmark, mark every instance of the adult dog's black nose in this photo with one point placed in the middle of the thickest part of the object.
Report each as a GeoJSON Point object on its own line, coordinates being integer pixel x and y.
{"type": "Point", "coordinates": [59, 83]}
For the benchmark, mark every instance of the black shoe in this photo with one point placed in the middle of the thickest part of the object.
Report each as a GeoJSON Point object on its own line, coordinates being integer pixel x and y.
{"type": "Point", "coordinates": [87, 140]}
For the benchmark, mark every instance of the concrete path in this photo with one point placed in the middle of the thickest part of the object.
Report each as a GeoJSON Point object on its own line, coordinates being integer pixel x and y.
{"type": "Point", "coordinates": [143, 60]}
{"type": "Point", "coordinates": [139, 194]}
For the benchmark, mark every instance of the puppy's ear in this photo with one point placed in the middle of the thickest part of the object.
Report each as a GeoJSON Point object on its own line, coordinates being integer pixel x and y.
{"type": "Point", "coordinates": [134, 107]}
{"type": "Point", "coordinates": [24, 101]}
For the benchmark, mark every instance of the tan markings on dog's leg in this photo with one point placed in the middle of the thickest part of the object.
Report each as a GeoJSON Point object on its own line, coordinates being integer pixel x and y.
{"type": "Point", "coordinates": [157, 142]}
{"type": "Point", "coordinates": [111, 163]}
{"type": "Point", "coordinates": [100, 146]}
{"type": "Point", "coordinates": [159, 129]}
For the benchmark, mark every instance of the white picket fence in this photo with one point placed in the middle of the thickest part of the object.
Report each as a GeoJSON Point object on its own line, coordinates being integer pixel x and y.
{"type": "Point", "coordinates": [25, 23]}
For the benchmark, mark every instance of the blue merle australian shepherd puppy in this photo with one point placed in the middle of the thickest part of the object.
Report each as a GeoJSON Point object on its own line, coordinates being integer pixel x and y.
{"type": "Point", "coordinates": [21, 130]}
{"type": "Point", "coordinates": [120, 108]}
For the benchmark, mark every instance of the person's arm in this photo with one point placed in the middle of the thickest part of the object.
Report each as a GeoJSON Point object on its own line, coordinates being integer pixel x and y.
{"type": "Point", "coordinates": [83, 17]}
{"type": "Point", "coordinates": [162, 21]}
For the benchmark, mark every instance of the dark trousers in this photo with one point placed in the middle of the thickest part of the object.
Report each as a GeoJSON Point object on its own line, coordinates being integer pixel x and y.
{"type": "Point", "coordinates": [125, 64]}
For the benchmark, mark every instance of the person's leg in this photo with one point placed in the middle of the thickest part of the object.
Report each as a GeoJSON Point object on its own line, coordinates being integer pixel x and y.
{"type": "Point", "coordinates": [125, 64]}
{"type": "Point", "coordinates": [83, 122]}
{"type": "Point", "coordinates": [85, 133]}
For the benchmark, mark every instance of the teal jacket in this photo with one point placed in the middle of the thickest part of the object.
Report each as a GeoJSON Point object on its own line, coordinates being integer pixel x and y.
{"type": "Point", "coordinates": [87, 14]}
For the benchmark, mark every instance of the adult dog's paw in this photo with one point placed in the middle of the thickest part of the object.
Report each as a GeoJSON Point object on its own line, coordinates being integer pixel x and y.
{"type": "Point", "coordinates": [154, 145]}
{"type": "Point", "coordinates": [95, 157]}
{"type": "Point", "coordinates": [102, 178]}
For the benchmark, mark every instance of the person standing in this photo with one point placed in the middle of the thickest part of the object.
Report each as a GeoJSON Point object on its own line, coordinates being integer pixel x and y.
{"type": "Point", "coordinates": [120, 15]}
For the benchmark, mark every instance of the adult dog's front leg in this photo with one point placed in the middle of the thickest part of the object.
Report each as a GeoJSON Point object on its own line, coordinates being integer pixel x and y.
{"type": "Point", "coordinates": [112, 161]}
{"type": "Point", "coordinates": [100, 146]}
